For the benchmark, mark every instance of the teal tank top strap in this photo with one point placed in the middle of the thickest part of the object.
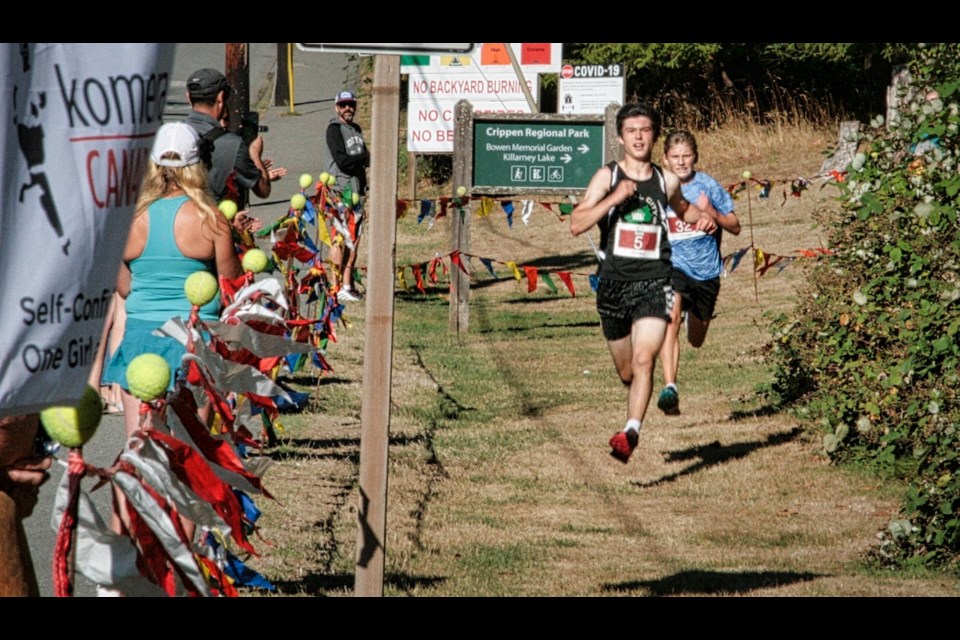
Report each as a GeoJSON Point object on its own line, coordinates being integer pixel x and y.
{"type": "Point", "coordinates": [163, 214]}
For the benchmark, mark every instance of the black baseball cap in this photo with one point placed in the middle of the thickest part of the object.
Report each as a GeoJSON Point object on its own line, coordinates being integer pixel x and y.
{"type": "Point", "coordinates": [207, 83]}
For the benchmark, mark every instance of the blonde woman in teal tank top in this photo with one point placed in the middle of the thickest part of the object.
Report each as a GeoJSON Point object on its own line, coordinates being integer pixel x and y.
{"type": "Point", "coordinates": [176, 230]}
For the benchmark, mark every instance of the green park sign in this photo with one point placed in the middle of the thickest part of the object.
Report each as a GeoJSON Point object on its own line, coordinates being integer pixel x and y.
{"type": "Point", "coordinates": [559, 155]}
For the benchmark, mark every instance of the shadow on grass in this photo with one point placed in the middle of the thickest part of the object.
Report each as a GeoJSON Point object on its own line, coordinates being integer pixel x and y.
{"type": "Point", "coordinates": [319, 584]}
{"type": "Point", "coordinates": [714, 453]}
{"type": "Point", "coordinates": [710, 582]}
{"type": "Point", "coordinates": [540, 327]}
{"type": "Point", "coordinates": [305, 380]}
{"type": "Point", "coordinates": [539, 297]}
{"type": "Point", "coordinates": [335, 448]}
{"type": "Point", "coordinates": [760, 412]}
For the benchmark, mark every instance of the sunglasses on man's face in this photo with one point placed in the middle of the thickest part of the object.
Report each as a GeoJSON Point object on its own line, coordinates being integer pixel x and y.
{"type": "Point", "coordinates": [344, 105]}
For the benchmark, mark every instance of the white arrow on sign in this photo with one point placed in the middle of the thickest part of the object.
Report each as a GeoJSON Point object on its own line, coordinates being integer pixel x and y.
{"type": "Point", "coordinates": [583, 148]}
{"type": "Point", "coordinates": [566, 158]}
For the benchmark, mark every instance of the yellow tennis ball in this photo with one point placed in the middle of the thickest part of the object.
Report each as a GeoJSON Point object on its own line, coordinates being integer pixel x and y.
{"type": "Point", "coordinates": [228, 208]}
{"type": "Point", "coordinates": [355, 198]}
{"type": "Point", "coordinates": [306, 181]}
{"type": "Point", "coordinates": [324, 177]}
{"type": "Point", "coordinates": [148, 376]}
{"type": "Point", "coordinates": [747, 175]}
{"type": "Point", "coordinates": [73, 426]}
{"type": "Point", "coordinates": [298, 201]}
{"type": "Point", "coordinates": [331, 179]}
{"type": "Point", "coordinates": [200, 287]}
{"type": "Point", "coordinates": [461, 191]}
{"type": "Point", "coordinates": [254, 261]}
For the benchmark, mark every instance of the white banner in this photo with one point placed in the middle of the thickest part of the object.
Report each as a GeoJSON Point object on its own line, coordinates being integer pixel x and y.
{"type": "Point", "coordinates": [78, 125]}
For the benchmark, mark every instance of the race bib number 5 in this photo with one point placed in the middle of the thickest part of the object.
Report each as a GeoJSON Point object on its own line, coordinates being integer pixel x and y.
{"type": "Point", "coordinates": [639, 241]}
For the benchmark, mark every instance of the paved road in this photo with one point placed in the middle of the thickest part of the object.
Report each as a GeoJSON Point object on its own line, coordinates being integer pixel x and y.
{"type": "Point", "coordinates": [294, 140]}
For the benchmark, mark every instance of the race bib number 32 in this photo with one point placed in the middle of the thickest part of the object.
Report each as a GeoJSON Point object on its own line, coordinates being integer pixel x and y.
{"type": "Point", "coordinates": [639, 241]}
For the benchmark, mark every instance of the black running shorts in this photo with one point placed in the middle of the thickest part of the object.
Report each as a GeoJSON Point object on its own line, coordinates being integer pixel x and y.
{"type": "Point", "coordinates": [620, 303]}
{"type": "Point", "coordinates": [699, 296]}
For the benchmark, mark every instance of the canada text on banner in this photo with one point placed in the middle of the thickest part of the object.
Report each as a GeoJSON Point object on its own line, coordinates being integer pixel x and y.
{"type": "Point", "coordinates": [78, 125]}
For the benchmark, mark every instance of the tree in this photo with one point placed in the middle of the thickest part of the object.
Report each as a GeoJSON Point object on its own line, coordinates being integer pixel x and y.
{"type": "Point", "coordinates": [704, 85]}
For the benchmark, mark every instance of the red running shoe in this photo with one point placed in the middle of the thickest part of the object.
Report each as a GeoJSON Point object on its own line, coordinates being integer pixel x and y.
{"type": "Point", "coordinates": [623, 443]}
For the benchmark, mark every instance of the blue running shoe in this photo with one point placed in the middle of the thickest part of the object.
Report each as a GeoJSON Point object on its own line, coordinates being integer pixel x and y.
{"type": "Point", "coordinates": [669, 401]}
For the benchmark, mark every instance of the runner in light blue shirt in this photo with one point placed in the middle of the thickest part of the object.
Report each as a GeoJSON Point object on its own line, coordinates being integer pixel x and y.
{"type": "Point", "coordinates": [697, 264]}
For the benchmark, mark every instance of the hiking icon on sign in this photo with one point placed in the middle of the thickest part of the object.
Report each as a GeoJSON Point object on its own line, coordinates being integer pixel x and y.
{"type": "Point", "coordinates": [518, 173]}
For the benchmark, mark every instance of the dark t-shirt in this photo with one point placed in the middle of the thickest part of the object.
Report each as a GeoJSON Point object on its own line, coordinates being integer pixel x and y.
{"type": "Point", "coordinates": [347, 156]}
{"type": "Point", "coordinates": [231, 159]}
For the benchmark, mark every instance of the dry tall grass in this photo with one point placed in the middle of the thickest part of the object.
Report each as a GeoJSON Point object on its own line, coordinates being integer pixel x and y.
{"type": "Point", "coordinates": [725, 499]}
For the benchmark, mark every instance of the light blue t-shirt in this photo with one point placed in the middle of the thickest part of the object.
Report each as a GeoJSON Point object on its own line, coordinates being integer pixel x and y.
{"type": "Point", "coordinates": [695, 253]}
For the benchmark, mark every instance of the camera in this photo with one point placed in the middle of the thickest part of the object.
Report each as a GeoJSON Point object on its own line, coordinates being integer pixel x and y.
{"type": "Point", "coordinates": [44, 445]}
{"type": "Point", "coordinates": [250, 127]}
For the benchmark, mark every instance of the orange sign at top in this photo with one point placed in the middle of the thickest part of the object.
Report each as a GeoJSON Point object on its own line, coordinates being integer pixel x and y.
{"type": "Point", "coordinates": [495, 53]}
{"type": "Point", "coordinates": [535, 53]}
{"type": "Point", "coordinates": [492, 57]}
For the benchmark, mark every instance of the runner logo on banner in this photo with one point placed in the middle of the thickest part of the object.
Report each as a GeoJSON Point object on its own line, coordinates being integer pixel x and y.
{"type": "Point", "coordinates": [78, 126]}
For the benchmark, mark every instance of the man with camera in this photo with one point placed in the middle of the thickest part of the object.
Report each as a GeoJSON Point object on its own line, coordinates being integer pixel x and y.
{"type": "Point", "coordinates": [235, 162]}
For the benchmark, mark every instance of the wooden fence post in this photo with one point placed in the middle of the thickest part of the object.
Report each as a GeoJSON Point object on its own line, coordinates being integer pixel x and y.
{"type": "Point", "coordinates": [460, 224]}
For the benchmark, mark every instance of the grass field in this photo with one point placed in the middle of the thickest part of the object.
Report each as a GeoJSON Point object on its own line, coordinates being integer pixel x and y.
{"type": "Point", "coordinates": [500, 482]}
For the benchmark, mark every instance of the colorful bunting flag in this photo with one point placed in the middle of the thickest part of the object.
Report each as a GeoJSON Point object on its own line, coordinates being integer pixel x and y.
{"type": "Point", "coordinates": [547, 280]}
{"type": "Point", "coordinates": [418, 276]}
{"type": "Point", "coordinates": [527, 211]}
{"type": "Point", "coordinates": [426, 209]}
{"type": "Point", "coordinates": [507, 207]}
{"type": "Point", "coordinates": [486, 207]}
{"type": "Point", "coordinates": [455, 259]}
{"type": "Point", "coordinates": [568, 281]}
{"type": "Point", "coordinates": [531, 278]}
{"type": "Point", "coordinates": [735, 258]}
{"type": "Point", "coordinates": [488, 263]}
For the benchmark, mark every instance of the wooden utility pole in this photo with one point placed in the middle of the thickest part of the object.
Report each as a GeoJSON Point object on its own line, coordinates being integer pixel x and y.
{"type": "Point", "coordinates": [281, 91]}
{"type": "Point", "coordinates": [378, 344]}
{"type": "Point", "coordinates": [238, 77]}
{"type": "Point", "coordinates": [237, 72]}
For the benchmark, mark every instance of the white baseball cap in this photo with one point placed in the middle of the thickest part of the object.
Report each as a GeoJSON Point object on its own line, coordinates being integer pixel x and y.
{"type": "Point", "coordinates": [179, 140]}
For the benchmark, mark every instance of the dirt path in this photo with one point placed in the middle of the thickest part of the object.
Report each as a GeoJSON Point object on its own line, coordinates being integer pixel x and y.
{"type": "Point", "coordinates": [501, 484]}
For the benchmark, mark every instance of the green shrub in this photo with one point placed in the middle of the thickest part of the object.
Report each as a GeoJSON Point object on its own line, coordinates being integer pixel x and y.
{"type": "Point", "coordinates": [871, 356]}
